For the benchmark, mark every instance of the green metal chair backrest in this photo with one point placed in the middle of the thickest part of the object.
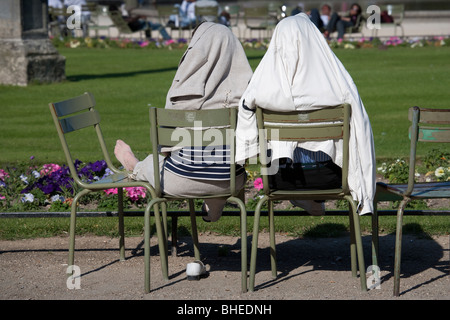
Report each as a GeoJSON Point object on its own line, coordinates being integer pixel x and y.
{"type": "Point", "coordinates": [76, 114]}
{"type": "Point", "coordinates": [119, 22]}
{"type": "Point", "coordinates": [427, 125]}
{"type": "Point", "coordinates": [359, 24]}
{"type": "Point", "coordinates": [206, 12]}
{"type": "Point", "coordinates": [254, 15]}
{"type": "Point", "coordinates": [165, 11]}
{"type": "Point", "coordinates": [199, 128]}
{"type": "Point", "coordinates": [397, 11]}
{"type": "Point", "coordinates": [233, 10]}
{"type": "Point", "coordinates": [312, 125]}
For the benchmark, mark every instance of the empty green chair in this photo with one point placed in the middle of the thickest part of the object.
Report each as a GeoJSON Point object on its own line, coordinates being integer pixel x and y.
{"type": "Point", "coordinates": [427, 125]}
{"type": "Point", "coordinates": [78, 114]}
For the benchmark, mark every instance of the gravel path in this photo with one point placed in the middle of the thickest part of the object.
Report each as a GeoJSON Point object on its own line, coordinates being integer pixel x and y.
{"type": "Point", "coordinates": [309, 269]}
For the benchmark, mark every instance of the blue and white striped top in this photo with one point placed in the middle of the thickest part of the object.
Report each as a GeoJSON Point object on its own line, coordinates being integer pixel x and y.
{"type": "Point", "coordinates": [206, 163]}
{"type": "Point", "coordinates": [307, 156]}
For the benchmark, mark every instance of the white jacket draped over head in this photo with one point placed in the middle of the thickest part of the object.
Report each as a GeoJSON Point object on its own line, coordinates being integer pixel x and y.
{"type": "Point", "coordinates": [213, 72]}
{"type": "Point", "coordinates": [300, 72]}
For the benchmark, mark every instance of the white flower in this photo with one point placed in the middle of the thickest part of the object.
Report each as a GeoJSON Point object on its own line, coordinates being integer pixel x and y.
{"type": "Point", "coordinates": [28, 197]}
{"type": "Point", "coordinates": [57, 197]}
{"type": "Point", "coordinates": [36, 174]}
{"type": "Point", "coordinates": [439, 172]}
{"type": "Point", "coordinates": [24, 178]}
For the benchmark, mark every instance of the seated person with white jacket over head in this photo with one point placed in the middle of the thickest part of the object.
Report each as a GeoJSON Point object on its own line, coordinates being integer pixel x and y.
{"type": "Point", "coordinates": [300, 72]}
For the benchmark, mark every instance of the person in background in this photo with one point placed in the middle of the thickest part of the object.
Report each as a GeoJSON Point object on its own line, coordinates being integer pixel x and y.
{"type": "Point", "coordinates": [187, 16]}
{"type": "Point", "coordinates": [321, 19]}
{"type": "Point", "coordinates": [136, 23]}
{"type": "Point", "coordinates": [339, 24]}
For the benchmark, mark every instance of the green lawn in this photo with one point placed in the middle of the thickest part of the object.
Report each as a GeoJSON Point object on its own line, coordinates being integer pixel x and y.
{"type": "Point", "coordinates": [303, 226]}
{"type": "Point", "coordinates": [391, 81]}
{"type": "Point", "coordinates": [126, 81]}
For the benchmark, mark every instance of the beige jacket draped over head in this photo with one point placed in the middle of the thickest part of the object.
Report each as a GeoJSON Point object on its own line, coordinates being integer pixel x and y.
{"type": "Point", "coordinates": [300, 72]}
{"type": "Point", "coordinates": [213, 72]}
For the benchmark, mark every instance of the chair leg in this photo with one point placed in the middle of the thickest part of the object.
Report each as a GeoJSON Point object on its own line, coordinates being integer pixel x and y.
{"type": "Point", "coordinates": [163, 240]}
{"type": "Point", "coordinates": [73, 217]}
{"type": "Point", "coordinates": [165, 229]}
{"type": "Point", "coordinates": [241, 205]}
{"type": "Point", "coordinates": [161, 243]}
{"type": "Point", "coordinates": [353, 255]}
{"type": "Point", "coordinates": [121, 225]}
{"type": "Point", "coordinates": [273, 252]}
{"type": "Point", "coordinates": [164, 218]}
{"type": "Point", "coordinates": [174, 235]}
{"type": "Point", "coordinates": [359, 246]}
{"type": "Point", "coordinates": [147, 249]}
{"type": "Point", "coordinates": [194, 229]}
{"type": "Point", "coordinates": [255, 243]}
{"type": "Point", "coordinates": [375, 235]}
{"type": "Point", "coordinates": [398, 246]}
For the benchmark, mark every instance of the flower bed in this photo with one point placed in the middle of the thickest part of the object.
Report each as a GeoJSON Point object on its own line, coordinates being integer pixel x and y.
{"type": "Point", "coordinates": [50, 187]}
{"type": "Point", "coordinates": [254, 43]}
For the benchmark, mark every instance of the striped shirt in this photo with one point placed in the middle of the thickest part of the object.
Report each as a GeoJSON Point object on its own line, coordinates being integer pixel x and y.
{"type": "Point", "coordinates": [206, 163]}
{"type": "Point", "coordinates": [306, 156]}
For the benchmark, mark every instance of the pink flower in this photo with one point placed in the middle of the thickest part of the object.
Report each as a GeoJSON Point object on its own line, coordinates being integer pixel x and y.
{"type": "Point", "coordinates": [111, 191]}
{"type": "Point", "coordinates": [135, 193]}
{"type": "Point", "coordinates": [49, 168]}
{"type": "Point", "coordinates": [3, 174]}
{"type": "Point", "coordinates": [258, 184]}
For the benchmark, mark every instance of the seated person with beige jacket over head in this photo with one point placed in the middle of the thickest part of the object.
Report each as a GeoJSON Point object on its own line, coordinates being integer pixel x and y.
{"type": "Point", "coordinates": [213, 73]}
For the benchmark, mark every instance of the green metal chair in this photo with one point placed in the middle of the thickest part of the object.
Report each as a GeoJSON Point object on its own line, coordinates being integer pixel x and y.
{"type": "Point", "coordinates": [206, 14]}
{"type": "Point", "coordinates": [97, 13]}
{"type": "Point", "coordinates": [357, 28]}
{"type": "Point", "coordinates": [397, 12]}
{"type": "Point", "coordinates": [427, 125]}
{"type": "Point", "coordinates": [122, 26]}
{"type": "Point", "coordinates": [78, 114]}
{"type": "Point", "coordinates": [324, 124]}
{"type": "Point", "coordinates": [164, 13]}
{"type": "Point", "coordinates": [234, 11]}
{"type": "Point", "coordinates": [212, 128]}
{"type": "Point", "coordinates": [258, 19]}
